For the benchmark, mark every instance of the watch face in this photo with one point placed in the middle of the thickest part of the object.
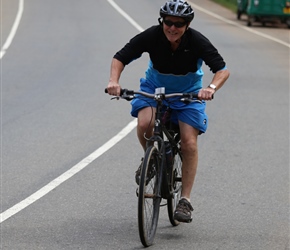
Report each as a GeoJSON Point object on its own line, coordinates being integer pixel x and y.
{"type": "Point", "coordinates": [212, 86]}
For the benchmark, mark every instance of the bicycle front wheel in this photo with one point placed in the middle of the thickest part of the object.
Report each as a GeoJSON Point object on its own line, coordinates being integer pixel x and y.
{"type": "Point", "coordinates": [148, 197]}
{"type": "Point", "coordinates": [175, 186]}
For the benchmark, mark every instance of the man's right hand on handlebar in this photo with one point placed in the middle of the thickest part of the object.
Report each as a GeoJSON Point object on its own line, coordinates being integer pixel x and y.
{"type": "Point", "coordinates": [114, 89]}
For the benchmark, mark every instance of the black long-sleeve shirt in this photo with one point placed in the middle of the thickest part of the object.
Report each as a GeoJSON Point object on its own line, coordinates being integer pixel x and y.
{"type": "Point", "coordinates": [179, 70]}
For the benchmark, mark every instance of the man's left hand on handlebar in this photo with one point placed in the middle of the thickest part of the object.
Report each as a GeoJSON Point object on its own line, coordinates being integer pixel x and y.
{"type": "Point", "coordinates": [206, 94]}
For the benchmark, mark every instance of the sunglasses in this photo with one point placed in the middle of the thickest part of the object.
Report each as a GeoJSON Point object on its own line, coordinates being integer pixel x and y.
{"type": "Point", "coordinates": [176, 24]}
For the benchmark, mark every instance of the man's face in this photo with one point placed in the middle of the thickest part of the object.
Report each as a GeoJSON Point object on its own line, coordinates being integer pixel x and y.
{"type": "Point", "coordinates": [172, 32]}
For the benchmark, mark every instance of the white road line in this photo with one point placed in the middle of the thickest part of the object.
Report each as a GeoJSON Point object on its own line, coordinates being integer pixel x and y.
{"type": "Point", "coordinates": [124, 14]}
{"type": "Point", "coordinates": [68, 174]}
{"type": "Point", "coordinates": [83, 163]}
{"type": "Point", "coordinates": [239, 25]}
{"type": "Point", "coordinates": [93, 156]}
{"type": "Point", "coordinates": [13, 30]}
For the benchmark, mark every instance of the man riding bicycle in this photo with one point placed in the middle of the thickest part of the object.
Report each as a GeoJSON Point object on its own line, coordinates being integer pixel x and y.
{"type": "Point", "coordinates": [176, 55]}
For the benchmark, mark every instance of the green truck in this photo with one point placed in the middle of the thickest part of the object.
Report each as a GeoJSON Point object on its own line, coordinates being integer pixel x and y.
{"type": "Point", "coordinates": [264, 11]}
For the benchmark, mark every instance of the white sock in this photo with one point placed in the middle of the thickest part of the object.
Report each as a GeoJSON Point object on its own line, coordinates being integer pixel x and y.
{"type": "Point", "coordinates": [185, 198]}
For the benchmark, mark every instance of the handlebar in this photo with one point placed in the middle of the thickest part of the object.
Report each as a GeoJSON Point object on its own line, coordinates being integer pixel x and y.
{"type": "Point", "coordinates": [130, 95]}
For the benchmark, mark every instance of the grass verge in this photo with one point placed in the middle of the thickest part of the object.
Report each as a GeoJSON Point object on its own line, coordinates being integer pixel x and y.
{"type": "Point", "coordinates": [230, 4]}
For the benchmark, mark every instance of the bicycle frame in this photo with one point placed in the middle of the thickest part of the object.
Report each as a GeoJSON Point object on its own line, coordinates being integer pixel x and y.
{"type": "Point", "coordinates": [158, 136]}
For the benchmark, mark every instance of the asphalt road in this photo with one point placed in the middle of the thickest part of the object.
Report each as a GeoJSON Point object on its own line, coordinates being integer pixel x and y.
{"type": "Point", "coordinates": [54, 114]}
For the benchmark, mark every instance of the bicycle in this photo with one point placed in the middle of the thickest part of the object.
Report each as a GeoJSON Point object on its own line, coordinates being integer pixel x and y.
{"type": "Point", "coordinates": [161, 172]}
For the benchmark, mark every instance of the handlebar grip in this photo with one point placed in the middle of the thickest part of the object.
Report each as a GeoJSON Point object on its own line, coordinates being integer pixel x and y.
{"type": "Point", "coordinates": [121, 91]}
{"type": "Point", "coordinates": [194, 95]}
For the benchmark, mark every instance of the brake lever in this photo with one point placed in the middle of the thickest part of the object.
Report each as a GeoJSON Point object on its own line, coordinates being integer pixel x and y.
{"type": "Point", "coordinates": [185, 100]}
{"type": "Point", "coordinates": [128, 97]}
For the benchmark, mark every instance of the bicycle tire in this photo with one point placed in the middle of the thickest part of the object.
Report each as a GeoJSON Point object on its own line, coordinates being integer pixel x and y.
{"type": "Point", "coordinates": [174, 182]}
{"type": "Point", "coordinates": [148, 198]}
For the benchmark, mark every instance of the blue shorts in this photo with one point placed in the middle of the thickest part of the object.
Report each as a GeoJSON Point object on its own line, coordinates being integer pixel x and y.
{"type": "Point", "coordinates": [192, 114]}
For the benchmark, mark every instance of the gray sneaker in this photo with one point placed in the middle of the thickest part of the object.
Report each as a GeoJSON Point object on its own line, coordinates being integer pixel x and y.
{"type": "Point", "coordinates": [183, 211]}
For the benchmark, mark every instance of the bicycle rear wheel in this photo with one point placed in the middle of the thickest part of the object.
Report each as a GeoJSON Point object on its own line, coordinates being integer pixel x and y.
{"type": "Point", "coordinates": [175, 186]}
{"type": "Point", "coordinates": [148, 197]}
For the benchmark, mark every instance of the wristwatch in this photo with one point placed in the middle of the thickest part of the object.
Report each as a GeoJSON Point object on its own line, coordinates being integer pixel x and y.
{"type": "Point", "coordinates": [212, 86]}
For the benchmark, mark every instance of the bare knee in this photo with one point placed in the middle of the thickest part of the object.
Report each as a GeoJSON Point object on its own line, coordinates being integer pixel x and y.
{"type": "Point", "coordinates": [188, 139]}
{"type": "Point", "coordinates": [144, 125]}
{"type": "Point", "coordinates": [189, 146]}
{"type": "Point", "coordinates": [145, 121]}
